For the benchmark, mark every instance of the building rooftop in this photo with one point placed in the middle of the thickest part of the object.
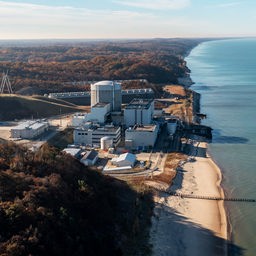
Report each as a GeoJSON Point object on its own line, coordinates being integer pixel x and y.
{"type": "Point", "coordinates": [59, 95]}
{"type": "Point", "coordinates": [90, 155]}
{"type": "Point", "coordinates": [72, 151]}
{"type": "Point", "coordinates": [107, 83]}
{"type": "Point", "coordinates": [139, 128]}
{"type": "Point", "coordinates": [139, 103]}
{"type": "Point", "coordinates": [33, 125]}
{"type": "Point", "coordinates": [137, 91]}
{"type": "Point", "coordinates": [100, 105]}
{"type": "Point", "coordinates": [125, 157]}
{"type": "Point", "coordinates": [108, 128]}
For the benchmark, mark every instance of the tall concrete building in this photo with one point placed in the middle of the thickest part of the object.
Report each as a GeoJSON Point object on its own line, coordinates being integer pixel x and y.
{"type": "Point", "coordinates": [107, 92]}
{"type": "Point", "coordinates": [139, 111]}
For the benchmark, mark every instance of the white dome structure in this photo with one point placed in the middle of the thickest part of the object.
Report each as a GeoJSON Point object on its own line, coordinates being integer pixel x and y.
{"type": "Point", "coordinates": [107, 92]}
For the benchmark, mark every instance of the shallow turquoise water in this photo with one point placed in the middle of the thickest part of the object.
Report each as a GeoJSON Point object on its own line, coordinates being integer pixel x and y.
{"type": "Point", "coordinates": [224, 72]}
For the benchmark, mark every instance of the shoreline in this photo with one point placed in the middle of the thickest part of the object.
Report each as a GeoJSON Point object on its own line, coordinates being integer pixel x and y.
{"type": "Point", "coordinates": [184, 226]}
{"type": "Point", "coordinates": [222, 209]}
{"type": "Point", "coordinates": [229, 226]}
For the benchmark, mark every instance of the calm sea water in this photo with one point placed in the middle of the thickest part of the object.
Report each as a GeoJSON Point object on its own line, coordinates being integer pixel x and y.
{"type": "Point", "coordinates": [224, 72]}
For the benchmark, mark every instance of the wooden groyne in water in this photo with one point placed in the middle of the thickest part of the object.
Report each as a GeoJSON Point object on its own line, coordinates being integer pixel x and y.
{"type": "Point", "coordinates": [210, 197]}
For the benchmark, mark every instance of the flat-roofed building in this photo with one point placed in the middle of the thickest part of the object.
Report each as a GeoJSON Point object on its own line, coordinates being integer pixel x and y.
{"type": "Point", "coordinates": [141, 136]}
{"type": "Point", "coordinates": [139, 111]}
{"type": "Point", "coordinates": [98, 114]}
{"type": "Point", "coordinates": [93, 134]}
{"type": "Point", "coordinates": [79, 119]}
{"type": "Point", "coordinates": [29, 129]}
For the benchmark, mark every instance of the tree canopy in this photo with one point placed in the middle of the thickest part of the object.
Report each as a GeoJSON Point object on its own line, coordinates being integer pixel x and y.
{"type": "Point", "coordinates": [52, 205]}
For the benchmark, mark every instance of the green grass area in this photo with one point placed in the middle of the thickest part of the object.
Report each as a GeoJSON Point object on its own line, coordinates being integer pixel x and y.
{"type": "Point", "coordinates": [19, 107]}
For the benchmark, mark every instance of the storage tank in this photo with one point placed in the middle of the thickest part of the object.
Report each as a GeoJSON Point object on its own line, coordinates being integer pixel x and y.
{"type": "Point", "coordinates": [171, 126]}
{"type": "Point", "coordinates": [107, 92]}
{"type": "Point", "coordinates": [106, 143]}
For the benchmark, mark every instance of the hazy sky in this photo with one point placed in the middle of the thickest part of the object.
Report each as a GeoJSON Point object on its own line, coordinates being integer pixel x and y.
{"type": "Point", "coordinates": [25, 19]}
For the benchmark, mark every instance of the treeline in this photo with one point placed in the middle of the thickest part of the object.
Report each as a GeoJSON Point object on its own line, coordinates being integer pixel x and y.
{"type": "Point", "coordinates": [52, 205]}
{"type": "Point", "coordinates": [48, 68]}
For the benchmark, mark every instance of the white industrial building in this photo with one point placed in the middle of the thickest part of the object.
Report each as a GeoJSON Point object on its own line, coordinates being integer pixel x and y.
{"type": "Point", "coordinates": [126, 159]}
{"type": "Point", "coordinates": [29, 129]}
{"type": "Point", "coordinates": [90, 158]}
{"type": "Point", "coordinates": [141, 136]}
{"type": "Point", "coordinates": [92, 135]}
{"type": "Point", "coordinates": [78, 119]}
{"type": "Point", "coordinates": [107, 92]}
{"type": "Point", "coordinates": [75, 152]}
{"type": "Point", "coordinates": [98, 114]}
{"type": "Point", "coordinates": [139, 111]}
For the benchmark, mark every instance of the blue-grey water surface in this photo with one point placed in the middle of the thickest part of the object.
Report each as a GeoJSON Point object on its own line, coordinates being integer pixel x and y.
{"type": "Point", "coordinates": [224, 72]}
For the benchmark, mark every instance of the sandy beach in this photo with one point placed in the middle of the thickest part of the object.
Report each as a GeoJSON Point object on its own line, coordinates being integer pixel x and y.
{"type": "Point", "coordinates": [182, 226]}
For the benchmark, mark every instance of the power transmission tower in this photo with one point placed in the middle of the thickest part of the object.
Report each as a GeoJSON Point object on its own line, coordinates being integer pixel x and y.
{"type": "Point", "coordinates": [6, 84]}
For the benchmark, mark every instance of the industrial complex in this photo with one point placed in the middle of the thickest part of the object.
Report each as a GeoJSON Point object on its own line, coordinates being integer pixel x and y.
{"type": "Point", "coordinates": [114, 129]}
{"type": "Point", "coordinates": [131, 123]}
{"type": "Point", "coordinates": [29, 129]}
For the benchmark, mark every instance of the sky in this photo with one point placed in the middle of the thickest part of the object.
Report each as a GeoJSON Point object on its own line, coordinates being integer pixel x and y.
{"type": "Point", "coordinates": [101, 19]}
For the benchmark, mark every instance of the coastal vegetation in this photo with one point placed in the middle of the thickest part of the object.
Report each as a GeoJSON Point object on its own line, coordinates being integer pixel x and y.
{"type": "Point", "coordinates": [43, 69]}
{"type": "Point", "coordinates": [53, 205]}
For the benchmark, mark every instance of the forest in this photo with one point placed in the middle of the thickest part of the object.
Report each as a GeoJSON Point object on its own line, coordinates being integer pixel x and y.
{"type": "Point", "coordinates": [40, 69]}
{"type": "Point", "coordinates": [53, 205]}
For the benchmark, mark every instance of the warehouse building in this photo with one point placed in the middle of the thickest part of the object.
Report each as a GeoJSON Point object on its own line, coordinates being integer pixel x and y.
{"type": "Point", "coordinates": [126, 159]}
{"type": "Point", "coordinates": [29, 129]}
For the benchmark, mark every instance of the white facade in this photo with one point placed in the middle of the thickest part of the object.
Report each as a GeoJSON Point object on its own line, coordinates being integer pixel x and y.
{"type": "Point", "coordinates": [126, 159]}
{"type": "Point", "coordinates": [107, 92]}
{"type": "Point", "coordinates": [98, 114]}
{"type": "Point", "coordinates": [139, 111]}
{"type": "Point", "coordinates": [93, 135]}
{"type": "Point", "coordinates": [78, 119]}
{"type": "Point", "coordinates": [29, 129]}
{"type": "Point", "coordinates": [141, 136]}
{"type": "Point", "coordinates": [90, 158]}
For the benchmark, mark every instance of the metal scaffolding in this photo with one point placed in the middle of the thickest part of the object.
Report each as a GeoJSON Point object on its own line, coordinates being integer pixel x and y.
{"type": "Point", "coordinates": [6, 84]}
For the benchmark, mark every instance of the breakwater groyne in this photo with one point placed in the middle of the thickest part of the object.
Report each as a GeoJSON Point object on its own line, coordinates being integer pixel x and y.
{"type": "Point", "coordinates": [210, 197]}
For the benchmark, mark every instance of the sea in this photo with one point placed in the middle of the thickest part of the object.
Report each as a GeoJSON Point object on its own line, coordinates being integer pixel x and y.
{"type": "Point", "coordinates": [224, 73]}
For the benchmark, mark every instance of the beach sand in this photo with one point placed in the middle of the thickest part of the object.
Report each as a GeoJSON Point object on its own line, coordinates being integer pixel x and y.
{"type": "Point", "coordinates": [182, 226]}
